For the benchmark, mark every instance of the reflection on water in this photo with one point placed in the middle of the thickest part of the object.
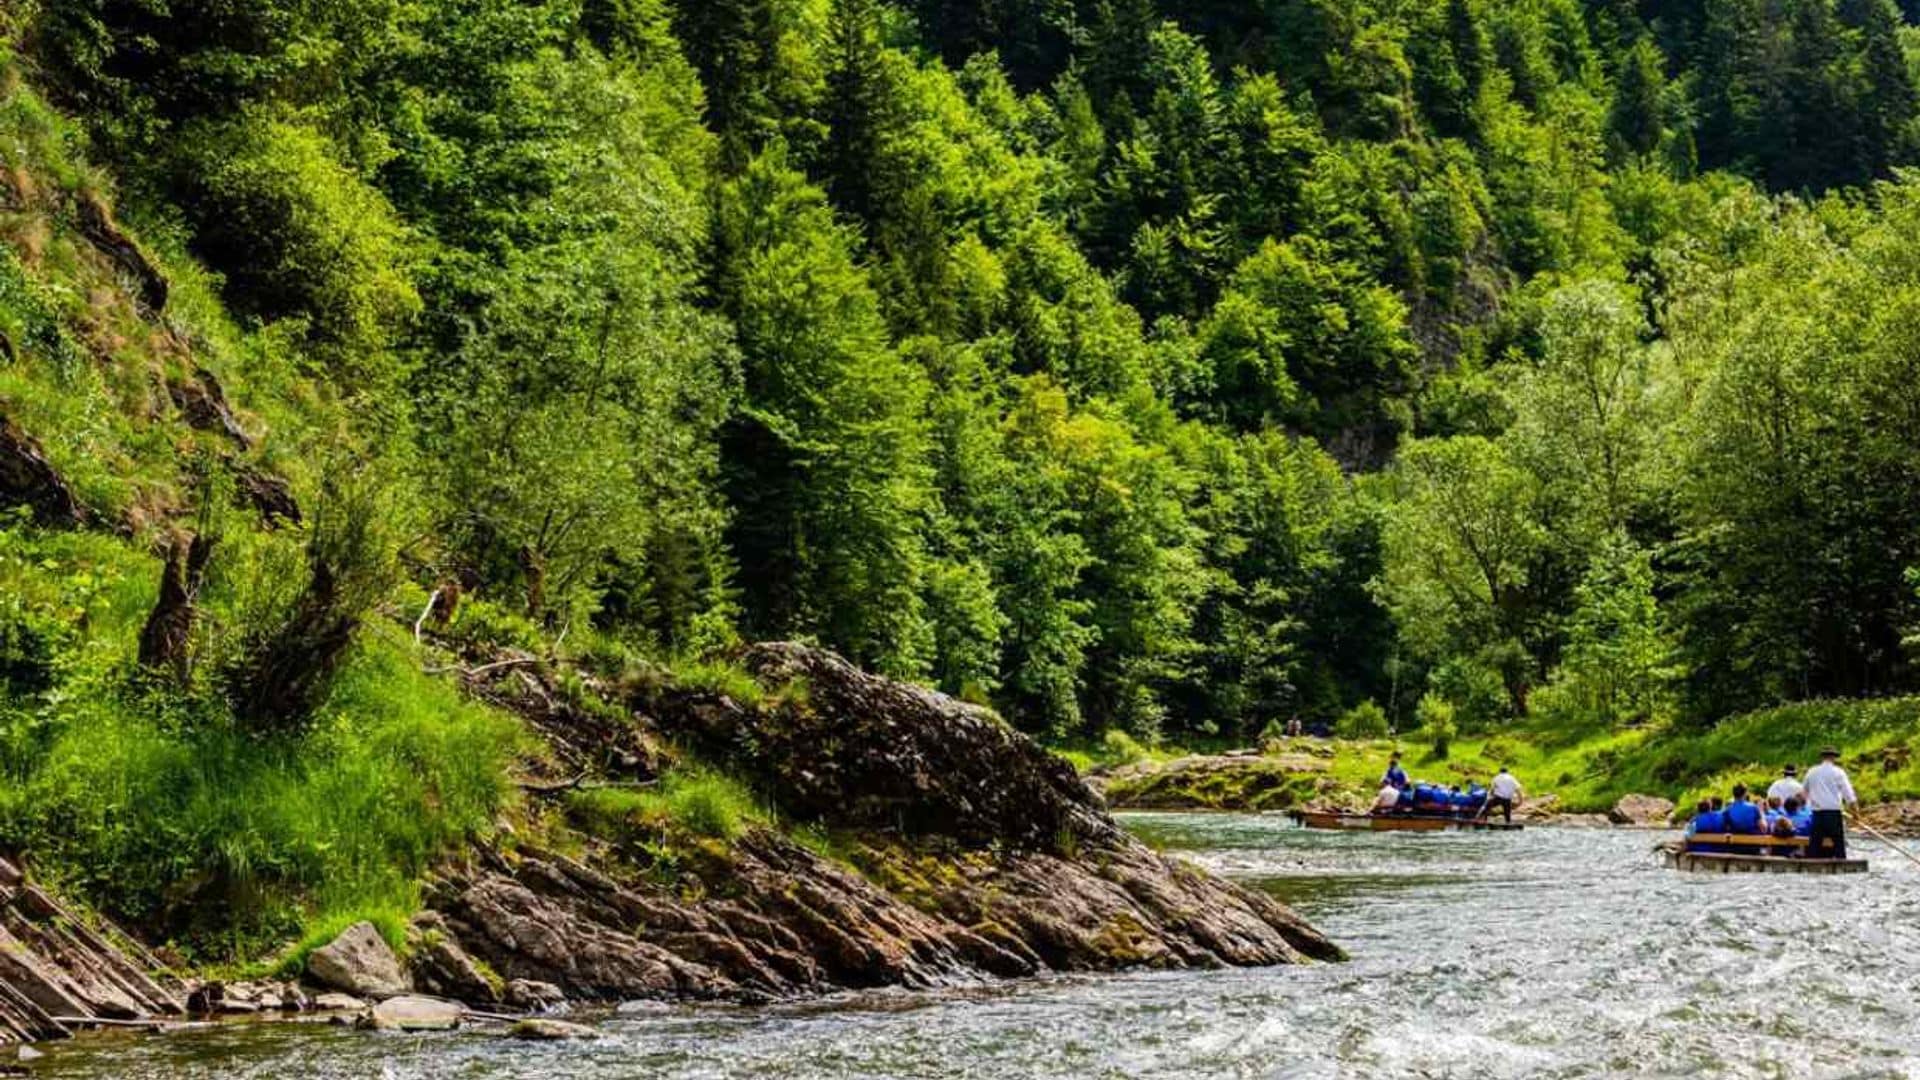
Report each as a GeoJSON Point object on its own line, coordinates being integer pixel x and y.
{"type": "Point", "coordinates": [1551, 952]}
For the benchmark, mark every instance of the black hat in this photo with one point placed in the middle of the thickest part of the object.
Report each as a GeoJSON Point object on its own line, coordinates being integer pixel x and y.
{"type": "Point", "coordinates": [1829, 752]}
{"type": "Point", "coordinates": [1792, 768]}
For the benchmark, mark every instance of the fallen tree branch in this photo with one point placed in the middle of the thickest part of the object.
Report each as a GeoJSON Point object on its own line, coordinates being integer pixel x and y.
{"type": "Point", "coordinates": [421, 622]}
{"type": "Point", "coordinates": [580, 783]}
{"type": "Point", "coordinates": [476, 672]}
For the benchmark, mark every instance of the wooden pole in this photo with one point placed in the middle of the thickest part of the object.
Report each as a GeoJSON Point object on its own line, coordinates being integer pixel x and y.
{"type": "Point", "coordinates": [1882, 837]}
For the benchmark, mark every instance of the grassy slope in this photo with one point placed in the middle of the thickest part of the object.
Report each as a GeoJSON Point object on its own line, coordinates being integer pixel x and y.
{"type": "Point", "coordinates": [1590, 770]}
{"type": "Point", "coordinates": [148, 802]}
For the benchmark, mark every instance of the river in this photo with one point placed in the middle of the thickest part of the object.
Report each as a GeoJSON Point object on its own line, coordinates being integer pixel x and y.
{"type": "Point", "coordinates": [1545, 953]}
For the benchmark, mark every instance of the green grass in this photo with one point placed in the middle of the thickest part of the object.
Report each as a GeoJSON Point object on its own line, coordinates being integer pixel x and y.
{"type": "Point", "coordinates": [687, 801]}
{"type": "Point", "coordinates": [150, 804]}
{"type": "Point", "coordinates": [720, 677]}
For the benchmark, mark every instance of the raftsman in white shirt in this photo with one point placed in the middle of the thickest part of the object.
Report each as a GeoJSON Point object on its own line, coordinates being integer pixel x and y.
{"type": "Point", "coordinates": [1505, 786]}
{"type": "Point", "coordinates": [1785, 788]}
{"type": "Point", "coordinates": [1828, 787]}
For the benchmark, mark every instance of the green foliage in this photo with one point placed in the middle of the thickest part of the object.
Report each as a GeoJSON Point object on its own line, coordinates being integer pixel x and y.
{"type": "Point", "coordinates": [720, 677]}
{"type": "Point", "coordinates": [1120, 748]}
{"type": "Point", "coordinates": [1366, 720]}
{"type": "Point", "coordinates": [687, 802]}
{"type": "Point", "coordinates": [302, 238]}
{"type": "Point", "coordinates": [229, 842]}
{"type": "Point", "coordinates": [1137, 372]}
{"type": "Point", "coordinates": [1435, 717]}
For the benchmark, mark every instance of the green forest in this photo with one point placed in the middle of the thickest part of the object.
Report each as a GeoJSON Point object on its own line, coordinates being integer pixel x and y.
{"type": "Point", "coordinates": [1175, 369]}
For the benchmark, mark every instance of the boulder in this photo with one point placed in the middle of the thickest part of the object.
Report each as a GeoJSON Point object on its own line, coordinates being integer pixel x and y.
{"type": "Point", "coordinates": [412, 1012]}
{"type": "Point", "coordinates": [544, 1029]}
{"type": "Point", "coordinates": [1538, 809]}
{"type": "Point", "coordinates": [534, 995]}
{"type": "Point", "coordinates": [360, 962]}
{"type": "Point", "coordinates": [203, 405]}
{"type": "Point", "coordinates": [334, 1001]}
{"type": "Point", "coordinates": [1641, 810]}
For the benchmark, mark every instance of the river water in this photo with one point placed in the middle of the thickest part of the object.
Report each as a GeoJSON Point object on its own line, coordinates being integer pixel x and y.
{"type": "Point", "coordinates": [1545, 953]}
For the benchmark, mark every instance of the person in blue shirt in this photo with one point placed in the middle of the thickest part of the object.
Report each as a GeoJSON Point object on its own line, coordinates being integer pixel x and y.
{"type": "Point", "coordinates": [1396, 776]}
{"type": "Point", "coordinates": [1708, 820]}
{"type": "Point", "coordinates": [1742, 816]}
{"type": "Point", "coordinates": [1802, 816]}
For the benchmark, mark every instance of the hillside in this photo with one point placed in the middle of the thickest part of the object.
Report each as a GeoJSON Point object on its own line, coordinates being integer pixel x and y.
{"type": "Point", "coordinates": [1533, 371]}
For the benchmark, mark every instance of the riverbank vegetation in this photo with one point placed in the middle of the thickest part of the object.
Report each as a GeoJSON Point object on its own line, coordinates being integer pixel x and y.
{"type": "Point", "coordinates": [1535, 376]}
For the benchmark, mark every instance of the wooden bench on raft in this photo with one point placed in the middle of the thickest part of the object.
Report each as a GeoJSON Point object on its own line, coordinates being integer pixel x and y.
{"type": "Point", "coordinates": [1747, 844]}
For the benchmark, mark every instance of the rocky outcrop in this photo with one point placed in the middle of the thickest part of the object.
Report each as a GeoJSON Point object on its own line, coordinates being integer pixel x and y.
{"type": "Point", "coordinates": [961, 851]}
{"type": "Point", "coordinates": [268, 495]}
{"type": "Point", "coordinates": [1240, 781]}
{"type": "Point", "coordinates": [203, 405]}
{"type": "Point", "coordinates": [442, 968]}
{"type": "Point", "coordinates": [1641, 810]}
{"type": "Point", "coordinates": [96, 223]}
{"type": "Point", "coordinates": [869, 752]}
{"type": "Point", "coordinates": [359, 962]}
{"type": "Point", "coordinates": [28, 479]}
{"type": "Point", "coordinates": [58, 971]}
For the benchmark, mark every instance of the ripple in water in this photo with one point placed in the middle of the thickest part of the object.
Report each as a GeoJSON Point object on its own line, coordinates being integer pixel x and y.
{"type": "Point", "coordinates": [1545, 953]}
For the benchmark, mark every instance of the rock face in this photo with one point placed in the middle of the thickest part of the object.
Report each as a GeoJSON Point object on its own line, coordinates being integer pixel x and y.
{"type": "Point", "coordinates": [869, 752]}
{"type": "Point", "coordinates": [966, 852]}
{"type": "Point", "coordinates": [359, 962]}
{"type": "Point", "coordinates": [58, 970]}
{"type": "Point", "coordinates": [1642, 810]}
{"type": "Point", "coordinates": [442, 968]}
{"type": "Point", "coordinates": [98, 226]}
{"type": "Point", "coordinates": [28, 479]}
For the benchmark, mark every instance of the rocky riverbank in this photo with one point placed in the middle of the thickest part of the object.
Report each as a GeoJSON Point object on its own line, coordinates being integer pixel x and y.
{"type": "Point", "coordinates": [904, 839]}
{"type": "Point", "coordinates": [936, 844]}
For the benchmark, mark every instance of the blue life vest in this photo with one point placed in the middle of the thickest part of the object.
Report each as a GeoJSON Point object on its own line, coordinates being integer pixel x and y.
{"type": "Point", "coordinates": [1803, 822]}
{"type": "Point", "coordinates": [1743, 817]}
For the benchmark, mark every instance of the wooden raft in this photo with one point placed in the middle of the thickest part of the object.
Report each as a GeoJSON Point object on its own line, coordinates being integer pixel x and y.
{"type": "Point", "coordinates": [1752, 855]}
{"type": "Point", "coordinates": [1330, 819]}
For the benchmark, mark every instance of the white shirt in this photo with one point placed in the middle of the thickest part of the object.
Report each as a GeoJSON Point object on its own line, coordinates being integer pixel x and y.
{"type": "Point", "coordinates": [1506, 787]}
{"type": "Point", "coordinates": [1389, 797]}
{"type": "Point", "coordinates": [1785, 788]}
{"type": "Point", "coordinates": [1828, 787]}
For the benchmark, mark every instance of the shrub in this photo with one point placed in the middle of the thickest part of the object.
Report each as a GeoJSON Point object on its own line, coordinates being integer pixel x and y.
{"type": "Point", "coordinates": [1436, 719]}
{"type": "Point", "coordinates": [298, 234]}
{"type": "Point", "coordinates": [1121, 748]}
{"type": "Point", "coordinates": [1366, 720]}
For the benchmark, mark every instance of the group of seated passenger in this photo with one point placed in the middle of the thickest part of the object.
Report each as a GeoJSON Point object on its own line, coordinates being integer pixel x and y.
{"type": "Point", "coordinates": [1780, 818]}
{"type": "Point", "coordinates": [1421, 797]}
